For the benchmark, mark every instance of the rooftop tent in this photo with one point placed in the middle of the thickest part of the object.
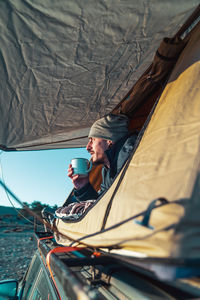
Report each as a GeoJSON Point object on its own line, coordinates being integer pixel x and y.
{"type": "Point", "coordinates": [166, 167]}
{"type": "Point", "coordinates": [66, 63]}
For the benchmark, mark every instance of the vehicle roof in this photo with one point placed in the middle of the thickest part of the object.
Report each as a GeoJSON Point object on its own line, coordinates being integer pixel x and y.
{"type": "Point", "coordinates": [99, 273]}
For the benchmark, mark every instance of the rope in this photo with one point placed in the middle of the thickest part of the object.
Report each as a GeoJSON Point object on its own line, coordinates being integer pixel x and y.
{"type": "Point", "coordinates": [32, 213]}
{"type": "Point", "coordinates": [52, 228]}
{"type": "Point", "coordinates": [124, 221]}
{"type": "Point", "coordinates": [8, 197]}
{"type": "Point", "coordinates": [78, 241]}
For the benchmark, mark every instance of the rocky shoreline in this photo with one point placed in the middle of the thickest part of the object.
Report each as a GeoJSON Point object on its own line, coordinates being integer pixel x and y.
{"type": "Point", "coordinates": [17, 247]}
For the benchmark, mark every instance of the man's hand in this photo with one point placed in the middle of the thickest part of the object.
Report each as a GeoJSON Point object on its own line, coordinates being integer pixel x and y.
{"type": "Point", "coordinates": [77, 180]}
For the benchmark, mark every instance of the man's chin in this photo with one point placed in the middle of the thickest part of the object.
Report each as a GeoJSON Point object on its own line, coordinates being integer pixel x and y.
{"type": "Point", "coordinates": [97, 162]}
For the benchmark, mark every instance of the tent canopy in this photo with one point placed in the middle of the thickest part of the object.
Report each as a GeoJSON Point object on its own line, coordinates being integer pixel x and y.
{"type": "Point", "coordinates": [165, 165]}
{"type": "Point", "coordinates": [64, 64]}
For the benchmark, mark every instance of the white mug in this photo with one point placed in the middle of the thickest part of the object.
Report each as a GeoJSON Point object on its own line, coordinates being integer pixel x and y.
{"type": "Point", "coordinates": [81, 166]}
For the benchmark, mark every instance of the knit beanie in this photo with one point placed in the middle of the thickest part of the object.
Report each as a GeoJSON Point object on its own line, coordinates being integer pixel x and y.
{"type": "Point", "coordinates": [111, 127]}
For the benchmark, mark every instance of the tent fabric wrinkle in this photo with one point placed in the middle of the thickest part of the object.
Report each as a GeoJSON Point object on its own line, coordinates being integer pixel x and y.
{"type": "Point", "coordinates": [66, 64]}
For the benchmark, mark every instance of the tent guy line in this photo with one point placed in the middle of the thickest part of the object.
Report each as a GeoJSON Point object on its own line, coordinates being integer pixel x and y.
{"type": "Point", "coordinates": [79, 241]}
{"type": "Point", "coordinates": [8, 197]}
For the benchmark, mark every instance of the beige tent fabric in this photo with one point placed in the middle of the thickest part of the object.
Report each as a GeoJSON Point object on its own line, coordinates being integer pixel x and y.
{"type": "Point", "coordinates": [65, 64]}
{"type": "Point", "coordinates": [166, 164]}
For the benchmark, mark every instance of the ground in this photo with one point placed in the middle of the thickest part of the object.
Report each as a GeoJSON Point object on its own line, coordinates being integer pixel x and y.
{"type": "Point", "coordinates": [16, 247]}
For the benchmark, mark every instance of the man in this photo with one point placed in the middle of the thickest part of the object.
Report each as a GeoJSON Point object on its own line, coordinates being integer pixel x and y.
{"type": "Point", "coordinates": [110, 144]}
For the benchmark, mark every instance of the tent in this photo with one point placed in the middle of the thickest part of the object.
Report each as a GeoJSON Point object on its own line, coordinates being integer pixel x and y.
{"type": "Point", "coordinates": [152, 209]}
{"type": "Point", "coordinates": [165, 166]}
{"type": "Point", "coordinates": [65, 65]}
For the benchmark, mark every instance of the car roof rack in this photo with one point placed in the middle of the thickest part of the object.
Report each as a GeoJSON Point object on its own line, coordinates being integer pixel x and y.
{"type": "Point", "coordinates": [101, 275]}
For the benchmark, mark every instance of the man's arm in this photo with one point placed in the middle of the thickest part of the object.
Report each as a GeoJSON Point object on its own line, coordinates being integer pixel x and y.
{"type": "Point", "coordinates": [86, 193]}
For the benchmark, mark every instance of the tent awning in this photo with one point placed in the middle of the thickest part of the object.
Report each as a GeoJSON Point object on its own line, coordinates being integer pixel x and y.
{"type": "Point", "coordinates": [66, 63]}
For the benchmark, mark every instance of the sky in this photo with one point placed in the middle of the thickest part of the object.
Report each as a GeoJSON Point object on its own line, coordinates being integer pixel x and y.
{"type": "Point", "coordinates": [37, 175]}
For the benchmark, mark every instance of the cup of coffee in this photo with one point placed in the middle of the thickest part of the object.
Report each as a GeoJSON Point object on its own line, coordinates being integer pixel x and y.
{"type": "Point", "coordinates": [81, 166]}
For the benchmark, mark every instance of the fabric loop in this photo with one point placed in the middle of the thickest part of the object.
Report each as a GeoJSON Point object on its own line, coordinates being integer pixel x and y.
{"type": "Point", "coordinates": [152, 205]}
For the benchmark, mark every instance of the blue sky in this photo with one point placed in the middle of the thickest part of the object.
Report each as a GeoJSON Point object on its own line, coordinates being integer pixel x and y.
{"type": "Point", "coordinates": [38, 175]}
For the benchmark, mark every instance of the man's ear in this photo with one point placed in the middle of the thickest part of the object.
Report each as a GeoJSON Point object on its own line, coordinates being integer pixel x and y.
{"type": "Point", "coordinates": [110, 143]}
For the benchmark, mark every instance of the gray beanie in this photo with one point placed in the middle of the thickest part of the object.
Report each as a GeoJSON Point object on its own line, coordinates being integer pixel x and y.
{"type": "Point", "coordinates": [111, 127]}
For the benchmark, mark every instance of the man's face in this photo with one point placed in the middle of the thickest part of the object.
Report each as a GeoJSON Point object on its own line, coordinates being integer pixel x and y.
{"type": "Point", "coordinates": [97, 147]}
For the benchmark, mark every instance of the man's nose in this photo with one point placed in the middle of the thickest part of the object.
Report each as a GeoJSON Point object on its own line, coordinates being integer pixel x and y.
{"type": "Point", "coordinates": [88, 147]}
